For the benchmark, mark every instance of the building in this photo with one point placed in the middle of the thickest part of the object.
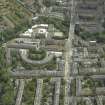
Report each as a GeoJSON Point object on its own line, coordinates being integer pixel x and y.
{"type": "Point", "coordinates": [90, 15]}
{"type": "Point", "coordinates": [40, 31]}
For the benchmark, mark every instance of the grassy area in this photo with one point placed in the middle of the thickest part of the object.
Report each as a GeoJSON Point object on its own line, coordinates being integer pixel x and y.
{"type": "Point", "coordinates": [99, 37]}
{"type": "Point", "coordinates": [99, 83]}
{"type": "Point", "coordinates": [89, 86]}
{"type": "Point", "coordinates": [29, 92]}
{"type": "Point", "coordinates": [14, 15]}
{"type": "Point", "coordinates": [62, 92]}
{"type": "Point", "coordinates": [49, 3]}
{"type": "Point", "coordinates": [6, 85]}
{"type": "Point", "coordinates": [81, 102]}
{"type": "Point", "coordinates": [73, 87]}
{"type": "Point", "coordinates": [7, 89]}
{"type": "Point", "coordinates": [9, 34]}
{"type": "Point", "coordinates": [47, 89]}
{"type": "Point", "coordinates": [40, 51]}
{"type": "Point", "coordinates": [63, 26]}
{"type": "Point", "coordinates": [14, 11]}
{"type": "Point", "coordinates": [17, 16]}
{"type": "Point", "coordinates": [87, 83]}
{"type": "Point", "coordinates": [58, 38]}
{"type": "Point", "coordinates": [37, 54]}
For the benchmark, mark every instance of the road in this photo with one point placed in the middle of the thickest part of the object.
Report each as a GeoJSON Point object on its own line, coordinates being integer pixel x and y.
{"type": "Point", "coordinates": [68, 54]}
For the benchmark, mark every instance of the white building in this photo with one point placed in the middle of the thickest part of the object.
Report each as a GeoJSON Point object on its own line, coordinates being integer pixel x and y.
{"type": "Point", "coordinates": [57, 54]}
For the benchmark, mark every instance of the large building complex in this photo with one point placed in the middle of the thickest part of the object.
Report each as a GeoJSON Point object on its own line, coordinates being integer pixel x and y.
{"type": "Point", "coordinates": [48, 63]}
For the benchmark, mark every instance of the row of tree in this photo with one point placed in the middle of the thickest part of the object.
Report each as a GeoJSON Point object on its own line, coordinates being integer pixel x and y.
{"type": "Point", "coordinates": [99, 37]}
{"type": "Point", "coordinates": [9, 34]}
{"type": "Point", "coordinates": [6, 85]}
